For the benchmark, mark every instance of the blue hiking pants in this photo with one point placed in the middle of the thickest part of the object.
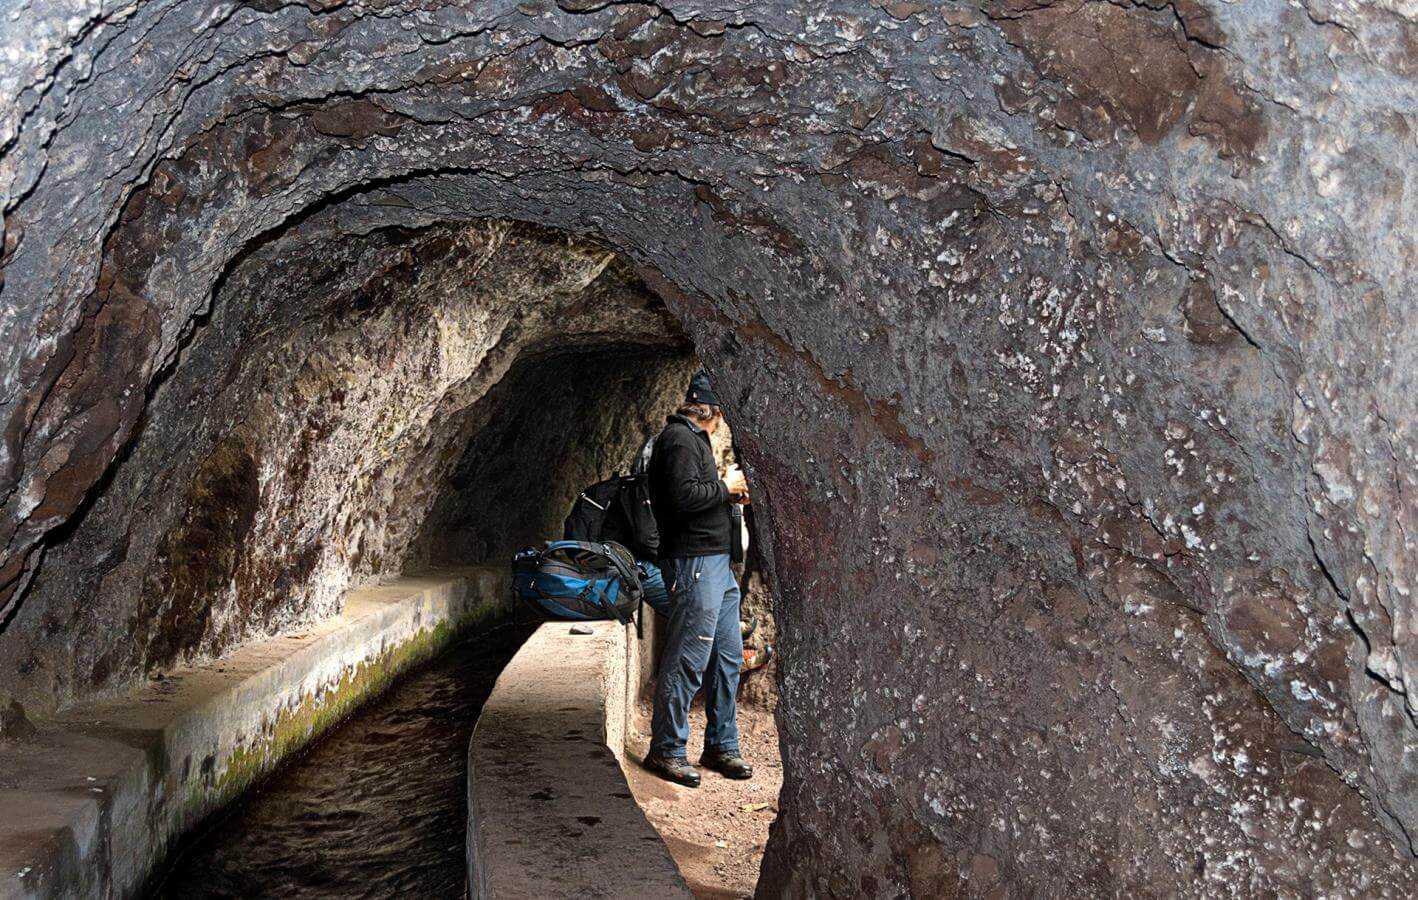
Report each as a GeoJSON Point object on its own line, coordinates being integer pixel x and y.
{"type": "Point", "coordinates": [656, 595]}
{"type": "Point", "coordinates": [704, 647]}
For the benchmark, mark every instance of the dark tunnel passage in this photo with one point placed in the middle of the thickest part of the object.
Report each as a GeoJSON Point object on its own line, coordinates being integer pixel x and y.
{"type": "Point", "coordinates": [418, 400]}
{"type": "Point", "coordinates": [1069, 347]}
{"type": "Point", "coordinates": [559, 422]}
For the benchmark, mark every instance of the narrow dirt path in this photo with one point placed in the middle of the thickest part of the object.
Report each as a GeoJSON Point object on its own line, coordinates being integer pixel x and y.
{"type": "Point", "coordinates": [716, 832]}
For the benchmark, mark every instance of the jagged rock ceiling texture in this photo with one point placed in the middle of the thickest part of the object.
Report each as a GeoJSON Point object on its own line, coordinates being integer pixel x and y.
{"type": "Point", "coordinates": [1070, 345]}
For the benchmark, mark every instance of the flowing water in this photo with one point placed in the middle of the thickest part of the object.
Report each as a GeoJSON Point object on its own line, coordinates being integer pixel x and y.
{"type": "Point", "coordinates": [374, 809]}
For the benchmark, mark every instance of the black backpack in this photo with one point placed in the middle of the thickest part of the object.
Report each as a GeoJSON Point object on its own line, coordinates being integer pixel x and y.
{"type": "Point", "coordinates": [618, 509]}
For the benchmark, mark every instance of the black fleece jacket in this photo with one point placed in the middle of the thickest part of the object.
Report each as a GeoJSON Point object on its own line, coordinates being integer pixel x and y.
{"type": "Point", "coordinates": [691, 502]}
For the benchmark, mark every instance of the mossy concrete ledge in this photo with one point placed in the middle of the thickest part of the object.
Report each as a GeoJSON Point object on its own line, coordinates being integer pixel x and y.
{"type": "Point", "coordinates": [549, 811]}
{"type": "Point", "coordinates": [92, 803]}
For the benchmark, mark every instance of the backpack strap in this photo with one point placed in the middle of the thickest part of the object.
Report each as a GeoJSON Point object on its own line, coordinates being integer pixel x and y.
{"type": "Point", "coordinates": [642, 459]}
{"type": "Point", "coordinates": [625, 565]}
{"type": "Point", "coordinates": [605, 601]}
{"type": "Point", "coordinates": [619, 558]}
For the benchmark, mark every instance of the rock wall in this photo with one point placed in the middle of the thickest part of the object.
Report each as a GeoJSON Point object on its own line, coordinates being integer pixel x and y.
{"type": "Point", "coordinates": [553, 425]}
{"type": "Point", "coordinates": [1069, 345]}
{"type": "Point", "coordinates": [306, 431]}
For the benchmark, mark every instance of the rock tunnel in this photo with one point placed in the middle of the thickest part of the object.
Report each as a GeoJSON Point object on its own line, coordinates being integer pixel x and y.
{"type": "Point", "coordinates": [1066, 345]}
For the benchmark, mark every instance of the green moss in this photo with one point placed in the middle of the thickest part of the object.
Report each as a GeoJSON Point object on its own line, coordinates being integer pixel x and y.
{"type": "Point", "coordinates": [295, 727]}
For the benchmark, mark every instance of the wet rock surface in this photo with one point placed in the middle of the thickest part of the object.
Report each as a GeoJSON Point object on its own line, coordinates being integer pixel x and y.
{"type": "Point", "coordinates": [1069, 346]}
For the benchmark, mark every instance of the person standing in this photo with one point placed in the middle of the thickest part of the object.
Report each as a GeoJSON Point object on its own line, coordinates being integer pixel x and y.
{"type": "Point", "coordinates": [704, 646]}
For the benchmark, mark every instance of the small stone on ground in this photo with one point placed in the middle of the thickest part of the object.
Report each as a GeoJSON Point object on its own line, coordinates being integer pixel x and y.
{"type": "Point", "coordinates": [715, 832]}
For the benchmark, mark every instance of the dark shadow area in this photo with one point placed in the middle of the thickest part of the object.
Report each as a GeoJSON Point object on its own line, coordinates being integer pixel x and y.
{"type": "Point", "coordinates": [554, 424]}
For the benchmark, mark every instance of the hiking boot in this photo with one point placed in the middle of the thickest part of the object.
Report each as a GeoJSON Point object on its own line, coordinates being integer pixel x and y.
{"type": "Point", "coordinates": [729, 764]}
{"type": "Point", "coordinates": [673, 768]}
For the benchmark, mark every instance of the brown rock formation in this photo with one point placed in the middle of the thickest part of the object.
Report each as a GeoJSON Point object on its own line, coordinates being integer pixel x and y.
{"type": "Point", "coordinates": [1070, 347]}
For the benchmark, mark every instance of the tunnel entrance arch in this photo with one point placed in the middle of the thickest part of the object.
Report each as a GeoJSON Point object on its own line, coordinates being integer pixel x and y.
{"type": "Point", "coordinates": [369, 395]}
{"type": "Point", "coordinates": [1065, 371]}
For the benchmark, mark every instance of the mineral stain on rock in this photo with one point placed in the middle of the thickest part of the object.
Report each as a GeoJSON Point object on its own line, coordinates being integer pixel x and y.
{"type": "Point", "coordinates": [201, 557]}
{"type": "Point", "coordinates": [1134, 67]}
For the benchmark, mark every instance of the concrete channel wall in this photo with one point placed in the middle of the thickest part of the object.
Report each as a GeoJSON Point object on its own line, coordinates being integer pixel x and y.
{"type": "Point", "coordinates": [92, 804]}
{"type": "Point", "coordinates": [549, 811]}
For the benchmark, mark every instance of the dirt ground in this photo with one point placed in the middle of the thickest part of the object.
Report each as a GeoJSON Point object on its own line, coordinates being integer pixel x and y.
{"type": "Point", "coordinates": [715, 832]}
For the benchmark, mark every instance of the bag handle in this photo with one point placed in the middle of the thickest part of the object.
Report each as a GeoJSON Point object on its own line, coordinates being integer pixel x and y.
{"type": "Point", "coordinates": [629, 572]}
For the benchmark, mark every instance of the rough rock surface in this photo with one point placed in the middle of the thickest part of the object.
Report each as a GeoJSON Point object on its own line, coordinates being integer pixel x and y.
{"type": "Point", "coordinates": [310, 427]}
{"type": "Point", "coordinates": [1070, 346]}
{"type": "Point", "coordinates": [553, 425]}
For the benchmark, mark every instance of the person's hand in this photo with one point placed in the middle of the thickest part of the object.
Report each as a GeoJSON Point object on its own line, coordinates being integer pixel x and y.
{"type": "Point", "coordinates": [736, 483]}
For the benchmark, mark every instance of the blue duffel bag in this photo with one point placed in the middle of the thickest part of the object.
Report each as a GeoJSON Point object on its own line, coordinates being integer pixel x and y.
{"type": "Point", "coordinates": [578, 580]}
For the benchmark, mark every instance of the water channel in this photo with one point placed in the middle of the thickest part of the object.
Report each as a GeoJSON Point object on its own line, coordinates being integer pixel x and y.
{"type": "Point", "coordinates": [376, 808]}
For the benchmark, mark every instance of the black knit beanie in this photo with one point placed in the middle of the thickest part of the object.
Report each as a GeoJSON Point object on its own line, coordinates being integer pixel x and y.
{"type": "Point", "coordinates": [700, 390]}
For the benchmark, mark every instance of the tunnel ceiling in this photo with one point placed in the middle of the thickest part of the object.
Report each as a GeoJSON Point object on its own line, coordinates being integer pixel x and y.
{"type": "Point", "coordinates": [1069, 343]}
